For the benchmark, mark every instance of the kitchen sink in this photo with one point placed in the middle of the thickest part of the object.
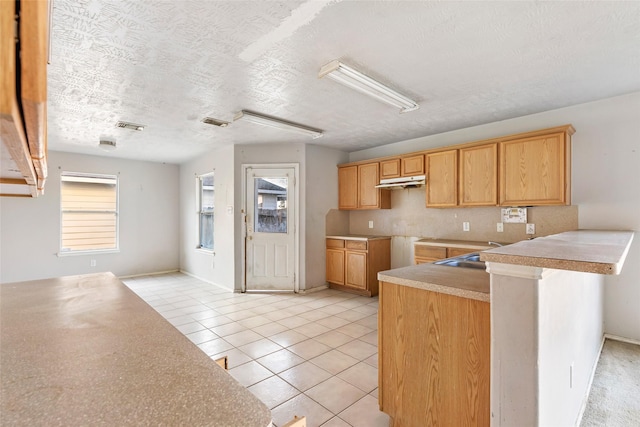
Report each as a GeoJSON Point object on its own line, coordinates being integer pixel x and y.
{"type": "Point", "coordinates": [471, 260]}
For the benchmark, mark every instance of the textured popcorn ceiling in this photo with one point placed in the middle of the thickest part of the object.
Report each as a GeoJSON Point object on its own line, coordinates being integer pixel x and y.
{"type": "Point", "coordinates": [169, 64]}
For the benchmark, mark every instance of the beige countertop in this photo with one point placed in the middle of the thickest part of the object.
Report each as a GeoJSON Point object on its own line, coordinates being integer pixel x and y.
{"type": "Point", "coordinates": [463, 282]}
{"type": "Point", "coordinates": [455, 243]}
{"type": "Point", "coordinates": [85, 350]}
{"type": "Point", "coordinates": [590, 251]}
{"type": "Point", "coordinates": [358, 237]}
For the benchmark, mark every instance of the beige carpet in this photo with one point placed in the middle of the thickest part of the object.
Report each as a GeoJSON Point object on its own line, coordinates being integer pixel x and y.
{"type": "Point", "coordinates": [615, 394]}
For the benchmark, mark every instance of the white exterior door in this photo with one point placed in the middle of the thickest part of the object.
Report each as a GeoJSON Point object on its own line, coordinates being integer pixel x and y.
{"type": "Point", "coordinates": [271, 235]}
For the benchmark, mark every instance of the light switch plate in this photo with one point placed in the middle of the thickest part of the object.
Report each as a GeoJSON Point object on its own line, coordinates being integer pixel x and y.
{"type": "Point", "coordinates": [370, 224]}
{"type": "Point", "coordinates": [499, 227]}
{"type": "Point", "coordinates": [517, 215]}
{"type": "Point", "coordinates": [465, 226]}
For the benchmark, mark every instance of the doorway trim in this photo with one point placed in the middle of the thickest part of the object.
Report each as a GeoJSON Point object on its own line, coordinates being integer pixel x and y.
{"type": "Point", "coordinates": [296, 222]}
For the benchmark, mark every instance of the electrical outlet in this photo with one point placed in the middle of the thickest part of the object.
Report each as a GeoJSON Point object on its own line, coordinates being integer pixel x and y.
{"type": "Point", "coordinates": [370, 224]}
{"type": "Point", "coordinates": [499, 227]}
{"type": "Point", "coordinates": [531, 229]}
{"type": "Point", "coordinates": [93, 263]}
{"type": "Point", "coordinates": [465, 226]}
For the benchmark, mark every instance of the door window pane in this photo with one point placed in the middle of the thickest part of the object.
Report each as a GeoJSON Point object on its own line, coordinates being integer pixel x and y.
{"type": "Point", "coordinates": [206, 211]}
{"type": "Point", "coordinates": [270, 205]}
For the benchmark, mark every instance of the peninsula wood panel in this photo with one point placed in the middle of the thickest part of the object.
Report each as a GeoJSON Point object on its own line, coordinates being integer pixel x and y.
{"type": "Point", "coordinates": [479, 175]}
{"type": "Point", "coordinates": [434, 358]}
{"type": "Point", "coordinates": [535, 171]}
{"type": "Point", "coordinates": [442, 181]}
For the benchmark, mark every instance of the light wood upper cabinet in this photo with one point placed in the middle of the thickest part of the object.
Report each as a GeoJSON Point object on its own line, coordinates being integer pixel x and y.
{"type": "Point", "coordinates": [389, 168]}
{"type": "Point", "coordinates": [348, 187]}
{"type": "Point", "coordinates": [412, 165]}
{"type": "Point", "coordinates": [368, 194]}
{"type": "Point", "coordinates": [478, 179]}
{"type": "Point", "coordinates": [357, 188]}
{"type": "Point", "coordinates": [536, 170]}
{"type": "Point", "coordinates": [442, 179]}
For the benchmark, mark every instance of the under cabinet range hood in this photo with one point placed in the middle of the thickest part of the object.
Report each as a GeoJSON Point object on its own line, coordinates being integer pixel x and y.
{"type": "Point", "coordinates": [403, 182]}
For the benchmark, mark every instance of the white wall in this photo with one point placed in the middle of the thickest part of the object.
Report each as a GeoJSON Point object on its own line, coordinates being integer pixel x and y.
{"type": "Point", "coordinates": [322, 196]}
{"type": "Point", "coordinates": [148, 220]}
{"type": "Point", "coordinates": [605, 177]}
{"type": "Point", "coordinates": [546, 333]}
{"type": "Point", "coordinates": [218, 268]}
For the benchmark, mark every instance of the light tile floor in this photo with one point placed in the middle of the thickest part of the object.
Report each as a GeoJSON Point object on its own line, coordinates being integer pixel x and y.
{"type": "Point", "coordinates": [314, 354]}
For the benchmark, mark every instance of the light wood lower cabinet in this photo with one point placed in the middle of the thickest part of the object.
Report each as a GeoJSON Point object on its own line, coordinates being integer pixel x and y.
{"type": "Point", "coordinates": [353, 265]}
{"type": "Point", "coordinates": [434, 358]}
{"type": "Point", "coordinates": [424, 254]}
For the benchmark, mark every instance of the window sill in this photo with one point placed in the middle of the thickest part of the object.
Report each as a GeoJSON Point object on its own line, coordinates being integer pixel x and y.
{"type": "Point", "coordinates": [205, 251]}
{"type": "Point", "coordinates": [96, 252]}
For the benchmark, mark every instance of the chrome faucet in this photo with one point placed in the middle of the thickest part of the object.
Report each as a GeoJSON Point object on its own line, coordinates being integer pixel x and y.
{"type": "Point", "coordinates": [495, 243]}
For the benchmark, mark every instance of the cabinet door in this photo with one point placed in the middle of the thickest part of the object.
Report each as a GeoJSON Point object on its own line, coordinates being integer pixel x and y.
{"type": "Point", "coordinates": [442, 181]}
{"type": "Point", "coordinates": [534, 171]}
{"type": "Point", "coordinates": [390, 168]}
{"type": "Point", "coordinates": [479, 175]}
{"type": "Point", "coordinates": [370, 197]}
{"type": "Point", "coordinates": [335, 266]}
{"type": "Point", "coordinates": [348, 187]}
{"type": "Point", "coordinates": [356, 266]}
{"type": "Point", "coordinates": [413, 165]}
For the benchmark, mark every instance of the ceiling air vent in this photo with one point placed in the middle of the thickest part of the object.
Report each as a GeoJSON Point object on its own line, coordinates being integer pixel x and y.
{"type": "Point", "coordinates": [129, 125]}
{"type": "Point", "coordinates": [215, 122]}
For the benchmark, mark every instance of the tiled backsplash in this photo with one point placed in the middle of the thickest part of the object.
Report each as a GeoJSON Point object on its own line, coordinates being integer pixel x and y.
{"type": "Point", "coordinates": [409, 220]}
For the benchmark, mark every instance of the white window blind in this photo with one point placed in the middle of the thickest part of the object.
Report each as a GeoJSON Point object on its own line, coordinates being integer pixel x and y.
{"type": "Point", "coordinates": [89, 212]}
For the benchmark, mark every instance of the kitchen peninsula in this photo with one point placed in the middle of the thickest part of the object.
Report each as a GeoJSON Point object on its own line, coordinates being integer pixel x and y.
{"type": "Point", "coordinates": [530, 332]}
{"type": "Point", "coordinates": [85, 350]}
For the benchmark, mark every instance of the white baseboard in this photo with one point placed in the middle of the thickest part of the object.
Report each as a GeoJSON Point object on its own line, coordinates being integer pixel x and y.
{"type": "Point", "coordinates": [155, 273]}
{"type": "Point", "coordinates": [207, 281]}
{"type": "Point", "coordinates": [623, 339]}
{"type": "Point", "coordinates": [314, 289]}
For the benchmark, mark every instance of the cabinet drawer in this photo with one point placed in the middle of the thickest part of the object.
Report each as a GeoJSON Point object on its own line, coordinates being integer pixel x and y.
{"type": "Point", "coordinates": [357, 245]}
{"type": "Point", "coordinates": [335, 243]}
{"type": "Point", "coordinates": [432, 252]}
{"type": "Point", "coordinates": [422, 260]}
{"type": "Point", "coordinates": [451, 252]}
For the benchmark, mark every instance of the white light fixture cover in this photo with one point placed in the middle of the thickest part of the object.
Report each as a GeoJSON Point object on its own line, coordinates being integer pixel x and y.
{"type": "Point", "coordinates": [277, 123]}
{"type": "Point", "coordinates": [354, 79]}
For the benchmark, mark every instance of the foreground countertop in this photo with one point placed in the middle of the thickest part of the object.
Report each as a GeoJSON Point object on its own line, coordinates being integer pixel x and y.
{"type": "Point", "coordinates": [85, 350]}
{"type": "Point", "coordinates": [590, 251]}
{"type": "Point", "coordinates": [463, 282]}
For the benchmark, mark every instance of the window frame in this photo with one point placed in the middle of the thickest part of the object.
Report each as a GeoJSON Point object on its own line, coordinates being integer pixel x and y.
{"type": "Point", "coordinates": [71, 252]}
{"type": "Point", "coordinates": [199, 212]}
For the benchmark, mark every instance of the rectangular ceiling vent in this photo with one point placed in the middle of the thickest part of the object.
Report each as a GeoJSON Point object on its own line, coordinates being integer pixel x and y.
{"type": "Point", "coordinates": [129, 125]}
{"type": "Point", "coordinates": [215, 122]}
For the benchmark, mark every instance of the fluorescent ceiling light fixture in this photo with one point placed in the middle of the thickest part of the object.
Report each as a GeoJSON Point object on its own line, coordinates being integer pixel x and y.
{"type": "Point", "coordinates": [277, 123]}
{"type": "Point", "coordinates": [129, 125]}
{"type": "Point", "coordinates": [354, 79]}
{"type": "Point", "coordinates": [215, 122]}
